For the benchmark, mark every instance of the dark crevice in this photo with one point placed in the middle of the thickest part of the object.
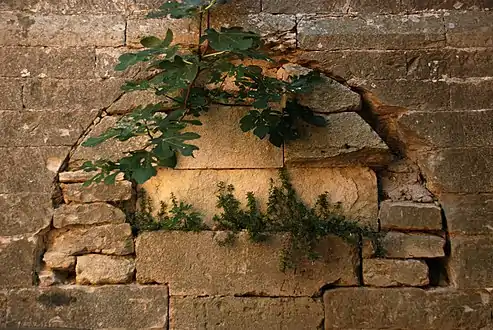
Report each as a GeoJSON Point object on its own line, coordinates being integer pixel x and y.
{"type": "Point", "coordinates": [359, 266]}
{"type": "Point", "coordinates": [437, 272]}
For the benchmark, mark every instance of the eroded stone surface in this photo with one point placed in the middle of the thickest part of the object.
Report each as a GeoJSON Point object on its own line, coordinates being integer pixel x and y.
{"type": "Point", "coordinates": [76, 192]}
{"type": "Point", "coordinates": [405, 246]}
{"type": "Point", "coordinates": [244, 268]}
{"type": "Point", "coordinates": [24, 213]}
{"type": "Point", "coordinates": [87, 214]}
{"type": "Point", "coordinates": [58, 260]}
{"type": "Point", "coordinates": [101, 269]}
{"type": "Point", "coordinates": [468, 214]}
{"type": "Point", "coordinates": [410, 216]}
{"type": "Point", "coordinates": [389, 272]}
{"type": "Point", "coordinates": [17, 262]}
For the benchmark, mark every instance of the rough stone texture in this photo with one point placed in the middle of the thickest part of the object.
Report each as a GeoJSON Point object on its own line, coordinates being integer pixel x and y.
{"type": "Point", "coordinates": [23, 29]}
{"type": "Point", "coordinates": [185, 30]}
{"type": "Point", "coordinates": [232, 148]}
{"type": "Point", "coordinates": [11, 94]}
{"type": "Point", "coordinates": [355, 188]}
{"type": "Point", "coordinates": [129, 101]}
{"type": "Point", "coordinates": [347, 140]}
{"type": "Point", "coordinates": [245, 313]}
{"type": "Point", "coordinates": [106, 239]}
{"type": "Point", "coordinates": [115, 306]}
{"type": "Point", "coordinates": [380, 32]}
{"type": "Point", "coordinates": [471, 95]}
{"type": "Point", "coordinates": [24, 213]}
{"type": "Point", "coordinates": [99, 269]}
{"type": "Point", "coordinates": [414, 5]}
{"type": "Point", "coordinates": [43, 128]}
{"type": "Point", "coordinates": [330, 6]}
{"type": "Point", "coordinates": [76, 192]}
{"type": "Point", "coordinates": [87, 214]}
{"type": "Point", "coordinates": [66, 6]}
{"type": "Point", "coordinates": [469, 29]}
{"type": "Point", "coordinates": [57, 260]}
{"type": "Point", "coordinates": [405, 246]}
{"type": "Point", "coordinates": [410, 216]}
{"type": "Point", "coordinates": [17, 261]}
{"type": "Point", "coordinates": [406, 308]}
{"type": "Point", "coordinates": [3, 309]}
{"type": "Point", "coordinates": [245, 268]}
{"type": "Point", "coordinates": [468, 214]}
{"type": "Point", "coordinates": [388, 272]}
{"type": "Point", "coordinates": [470, 262]}
{"type": "Point", "coordinates": [81, 176]}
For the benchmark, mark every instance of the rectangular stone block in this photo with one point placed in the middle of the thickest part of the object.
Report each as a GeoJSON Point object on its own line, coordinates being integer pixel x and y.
{"type": "Point", "coordinates": [24, 29]}
{"type": "Point", "coordinates": [224, 146]}
{"type": "Point", "coordinates": [24, 213]}
{"type": "Point", "coordinates": [389, 273]}
{"type": "Point", "coordinates": [406, 246]}
{"type": "Point", "coordinates": [382, 32]}
{"type": "Point", "coordinates": [71, 94]}
{"type": "Point", "coordinates": [371, 64]}
{"type": "Point", "coordinates": [410, 216]}
{"type": "Point", "coordinates": [418, 5]}
{"type": "Point", "coordinates": [17, 262]}
{"type": "Point", "coordinates": [76, 192]}
{"type": "Point", "coordinates": [406, 308]}
{"type": "Point", "coordinates": [107, 59]}
{"type": "Point", "coordinates": [241, 313]}
{"type": "Point", "coordinates": [243, 268]}
{"type": "Point", "coordinates": [468, 214]}
{"type": "Point", "coordinates": [118, 306]}
{"type": "Point", "coordinates": [469, 29]}
{"type": "Point", "coordinates": [97, 269]}
{"type": "Point", "coordinates": [185, 30]}
{"type": "Point", "coordinates": [30, 169]}
{"type": "Point", "coordinates": [354, 188]}
{"type": "Point", "coordinates": [471, 95]}
{"type": "Point", "coordinates": [87, 214]}
{"type": "Point", "coordinates": [458, 170]}
{"type": "Point", "coordinates": [470, 261]}
{"type": "Point", "coordinates": [75, 63]}
{"type": "Point", "coordinates": [11, 94]}
{"type": "Point", "coordinates": [330, 7]}
{"type": "Point", "coordinates": [43, 128]}
{"type": "Point", "coordinates": [66, 7]}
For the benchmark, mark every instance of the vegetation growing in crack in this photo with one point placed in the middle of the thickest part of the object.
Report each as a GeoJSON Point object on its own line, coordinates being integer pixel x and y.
{"type": "Point", "coordinates": [191, 78]}
{"type": "Point", "coordinates": [304, 226]}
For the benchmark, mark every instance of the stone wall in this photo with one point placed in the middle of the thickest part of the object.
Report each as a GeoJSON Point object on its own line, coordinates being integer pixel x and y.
{"type": "Point", "coordinates": [409, 156]}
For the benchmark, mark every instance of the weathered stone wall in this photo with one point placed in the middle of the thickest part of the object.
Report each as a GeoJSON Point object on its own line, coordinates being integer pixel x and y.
{"type": "Point", "coordinates": [410, 158]}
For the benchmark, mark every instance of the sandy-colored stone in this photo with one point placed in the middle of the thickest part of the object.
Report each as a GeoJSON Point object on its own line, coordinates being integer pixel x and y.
{"type": "Point", "coordinates": [406, 308]}
{"type": "Point", "coordinates": [347, 140]}
{"type": "Point", "coordinates": [389, 272]}
{"type": "Point", "coordinates": [17, 262]}
{"type": "Point", "coordinates": [244, 268]}
{"type": "Point", "coordinates": [100, 269]}
{"type": "Point", "coordinates": [66, 7]}
{"type": "Point", "coordinates": [224, 146]}
{"type": "Point", "coordinates": [57, 260]}
{"type": "Point", "coordinates": [76, 192]}
{"type": "Point", "coordinates": [106, 239]}
{"type": "Point", "coordinates": [469, 29]}
{"type": "Point", "coordinates": [468, 214]}
{"type": "Point", "coordinates": [103, 307]}
{"type": "Point", "coordinates": [241, 313]}
{"type": "Point", "coordinates": [185, 30]}
{"type": "Point", "coordinates": [355, 188]}
{"type": "Point", "coordinates": [405, 246]}
{"type": "Point", "coordinates": [11, 94]}
{"type": "Point", "coordinates": [129, 101]}
{"type": "Point", "coordinates": [87, 214]}
{"type": "Point", "coordinates": [410, 216]}
{"type": "Point", "coordinates": [472, 95]}
{"type": "Point", "coordinates": [81, 176]}
{"type": "Point", "coordinates": [24, 213]}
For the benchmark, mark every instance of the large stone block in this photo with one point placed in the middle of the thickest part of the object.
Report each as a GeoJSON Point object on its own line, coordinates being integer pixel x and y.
{"type": "Point", "coordinates": [30, 169]}
{"type": "Point", "coordinates": [417, 5]}
{"type": "Point", "coordinates": [43, 128]}
{"type": "Point", "coordinates": [100, 269]}
{"type": "Point", "coordinates": [354, 188]}
{"type": "Point", "coordinates": [105, 239]}
{"type": "Point", "coordinates": [23, 29]}
{"type": "Point", "coordinates": [406, 308]}
{"type": "Point", "coordinates": [11, 94]}
{"type": "Point", "coordinates": [224, 146]}
{"type": "Point", "coordinates": [185, 30]}
{"type": "Point", "coordinates": [329, 7]}
{"type": "Point", "coordinates": [71, 94]}
{"type": "Point", "coordinates": [468, 214]}
{"type": "Point", "coordinates": [66, 6]}
{"type": "Point", "coordinates": [470, 263]}
{"type": "Point", "coordinates": [347, 140]}
{"type": "Point", "coordinates": [24, 213]}
{"type": "Point", "coordinates": [87, 214]}
{"type": "Point", "coordinates": [17, 261]}
{"type": "Point", "coordinates": [469, 29]}
{"type": "Point", "coordinates": [458, 170]}
{"type": "Point", "coordinates": [59, 261]}
{"type": "Point", "coordinates": [410, 216]}
{"type": "Point", "coordinates": [75, 63]}
{"type": "Point", "coordinates": [106, 307]}
{"type": "Point", "coordinates": [76, 192]}
{"type": "Point", "coordinates": [382, 32]}
{"type": "Point", "coordinates": [471, 95]}
{"type": "Point", "coordinates": [241, 313]}
{"type": "Point", "coordinates": [202, 267]}
{"type": "Point", "coordinates": [407, 246]}
{"type": "Point", "coordinates": [388, 272]}
{"type": "Point", "coordinates": [129, 101]}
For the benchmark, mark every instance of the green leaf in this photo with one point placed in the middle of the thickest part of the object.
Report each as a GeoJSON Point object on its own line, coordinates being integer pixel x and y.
{"type": "Point", "coordinates": [189, 136]}
{"type": "Point", "coordinates": [261, 131]}
{"type": "Point", "coordinates": [142, 174]}
{"type": "Point", "coordinates": [125, 61]}
{"type": "Point", "coordinates": [247, 123]}
{"type": "Point", "coordinates": [168, 162]}
{"type": "Point", "coordinates": [110, 179]}
{"type": "Point", "coordinates": [231, 39]}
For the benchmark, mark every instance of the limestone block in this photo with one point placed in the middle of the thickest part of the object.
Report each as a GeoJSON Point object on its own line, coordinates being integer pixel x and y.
{"type": "Point", "coordinates": [81, 176]}
{"type": "Point", "coordinates": [244, 268]}
{"type": "Point", "coordinates": [129, 101]}
{"type": "Point", "coordinates": [12, 94]}
{"type": "Point", "coordinates": [185, 30]}
{"type": "Point", "coordinates": [66, 6]}
{"type": "Point", "coordinates": [3, 308]}
{"type": "Point", "coordinates": [405, 246]}
{"type": "Point", "coordinates": [406, 308]}
{"type": "Point", "coordinates": [470, 263]}
{"type": "Point", "coordinates": [87, 214]}
{"type": "Point", "coordinates": [104, 307]}
{"type": "Point", "coordinates": [48, 277]}
{"type": "Point", "coordinates": [347, 140]}
{"type": "Point", "coordinates": [59, 261]}
{"type": "Point", "coordinates": [224, 146]}
{"type": "Point", "coordinates": [469, 29]}
{"type": "Point", "coordinates": [17, 262]}
{"type": "Point", "coordinates": [76, 192]}
{"type": "Point", "coordinates": [241, 313]}
{"type": "Point", "coordinates": [468, 214]}
{"type": "Point", "coordinates": [24, 213]}
{"type": "Point", "coordinates": [355, 188]}
{"type": "Point", "coordinates": [106, 239]}
{"type": "Point", "coordinates": [100, 269]}
{"type": "Point", "coordinates": [472, 96]}
{"type": "Point", "coordinates": [389, 272]}
{"type": "Point", "coordinates": [415, 5]}
{"type": "Point", "coordinates": [410, 216]}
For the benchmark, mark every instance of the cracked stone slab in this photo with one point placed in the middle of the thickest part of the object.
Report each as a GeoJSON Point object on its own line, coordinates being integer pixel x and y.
{"type": "Point", "coordinates": [390, 272]}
